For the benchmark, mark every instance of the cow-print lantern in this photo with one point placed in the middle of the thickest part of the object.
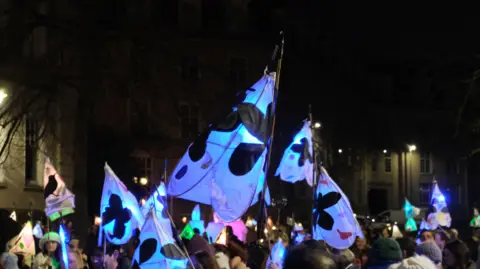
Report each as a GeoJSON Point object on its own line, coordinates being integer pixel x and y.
{"type": "Point", "coordinates": [148, 249]}
{"type": "Point", "coordinates": [231, 147]}
{"type": "Point", "coordinates": [324, 220]}
{"type": "Point", "coordinates": [162, 200]}
{"type": "Point", "coordinates": [302, 148]}
{"type": "Point", "coordinates": [115, 211]}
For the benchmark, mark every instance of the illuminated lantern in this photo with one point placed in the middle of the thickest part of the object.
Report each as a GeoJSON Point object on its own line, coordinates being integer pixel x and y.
{"type": "Point", "coordinates": [63, 245]}
{"type": "Point", "coordinates": [475, 222]}
{"type": "Point", "coordinates": [157, 249]}
{"type": "Point", "coordinates": [297, 160]}
{"type": "Point", "coordinates": [277, 255]}
{"type": "Point", "coordinates": [119, 210]}
{"type": "Point", "coordinates": [225, 165]}
{"type": "Point", "coordinates": [238, 227]}
{"type": "Point", "coordinates": [13, 216]}
{"type": "Point", "coordinates": [441, 216]}
{"type": "Point", "coordinates": [410, 213]}
{"type": "Point", "coordinates": [158, 201]}
{"type": "Point", "coordinates": [196, 221]}
{"type": "Point", "coordinates": [24, 243]}
{"type": "Point", "coordinates": [222, 238]}
{"type": "Point", "coordinates": [187, 232]}
{"type": "Point", "coordinates": [396, 233]}
{"type": "Point", "coordinates": [333, 215]}
{"type": "Point", "coordinates": [37, 231]}
{"type": "Point", "coordinates": [59, 201]}
{"type": "Point", "coordinates": [213, 230]}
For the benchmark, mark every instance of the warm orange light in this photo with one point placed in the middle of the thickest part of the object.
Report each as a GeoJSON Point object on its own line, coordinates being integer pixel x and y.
{"type": "Point", "coordinates": [97, 221]}
{"type": "Point", "coordinates": [184, 219]}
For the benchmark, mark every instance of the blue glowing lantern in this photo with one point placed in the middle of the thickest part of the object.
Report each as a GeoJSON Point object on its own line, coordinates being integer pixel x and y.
{"type": "Point", "coordinates": [222, 167]}
{"type": "Point", "coordinates": [441, 217]}
{"type": "Point", "coordinates": [158, 201]}
{"type": "Point", "coordinates": [410, 213]}
{"type": "Point", "coordinates": [63, 244]}
{"type": "Point", "coordinates": [196, 221]}
{"type": "Point", "coordinates": [277, 255]}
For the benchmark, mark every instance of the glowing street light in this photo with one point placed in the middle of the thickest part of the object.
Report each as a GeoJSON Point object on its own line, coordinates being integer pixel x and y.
{"type": "Point", "coordinates": [385, 151]}
{"type": "Point", "coordinates": [340, 151]}
{"type": "Point", "coordinates": [184, 219]}
{"type": "Point", "coordinates": [3, 95]}
{"type": "Point", "coordinates": [317, 125]}
{"type": "Point", "coordinates": [143, 181]}
{"type": "Point", "coordinates": [412, 148]}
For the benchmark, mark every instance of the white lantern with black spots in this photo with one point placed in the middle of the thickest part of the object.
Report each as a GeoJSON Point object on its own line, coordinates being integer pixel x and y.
{"type": "Point", "coordinates": [297, 160]}
{"type": "Point", "coordinates": [119, 210]}
{"type": "Point", "coordinates": [157, 249]}
{"type": "Point", "coordinates": [230, 155]}
{"type": "Point", "coordinates": [158, 201]}
{"type": "Point", "coordinates": [334, 220]}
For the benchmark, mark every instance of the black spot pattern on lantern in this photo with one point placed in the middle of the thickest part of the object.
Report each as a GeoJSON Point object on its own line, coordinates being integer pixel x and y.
{"type": "Point", "coordinates": [324, 220]}
{"type": "Point", "coordinates": [135, 265]}
{"type": "Point", "coordinates": [241, 95]}
{"type": "Point", "coordinates": [181, 172]}
{"type": "Point", "coordinates": [302, 148]}
{"type": "Point", "coordinates": [171, 251]}
{"type": "Point", "coordinates": [115, 211]}
{"type": "Point", "coordinates": [147, 249]}
{"type": "Point", "coordinates": [255, 121]}
{"type": "Point", "coordinates": [197, 149]}
{"type": "Point", "coordinates": [50, 187]}
{"type": "Point", "coordinates": [244, 158]}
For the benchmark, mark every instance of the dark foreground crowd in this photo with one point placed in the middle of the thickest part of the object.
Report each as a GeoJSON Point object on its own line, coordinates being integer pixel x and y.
{"type": "Point", "coordinates": [433, 249]}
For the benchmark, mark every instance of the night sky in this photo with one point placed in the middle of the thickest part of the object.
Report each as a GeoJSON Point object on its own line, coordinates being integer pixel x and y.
{"type": "Point", "coordinates": [356, 62]}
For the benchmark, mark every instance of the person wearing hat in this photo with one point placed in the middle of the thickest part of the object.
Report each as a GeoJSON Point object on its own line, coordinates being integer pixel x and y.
{"type": "Point", "coordinates": [384, 252]}
{"type": "Point", "coordinates": [430, 250]}
{"type": "Point", "coordinates": [49, 258]}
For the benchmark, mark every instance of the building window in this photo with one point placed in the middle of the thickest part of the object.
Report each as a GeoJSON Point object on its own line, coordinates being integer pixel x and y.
{"type": "Point", "coordinates": [143, 167]}
{"type": "Point", "coordinates": [30, 150]}
{"type": "Point", "coordinates": [190, 69]}
{"type": "Point", "coordinates": [189, 120]}
{"type": "Point", "coordinates": [425, 193]}
{"type": "Point", "coordinates": [374, 163]}
{"type": "Point", "coordinates": [425, 163]}
{"type": "Point", "coordinates": [388, 162]}
{"type": "Point", "coordinates": [238, 70]}
{"type": "Point", "coordinates": [139, 117]}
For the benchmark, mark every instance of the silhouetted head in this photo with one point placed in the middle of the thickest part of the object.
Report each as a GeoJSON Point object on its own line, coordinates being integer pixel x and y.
{"type": "Point", "coordinates": [308, 258]}
{"type": "Point", "coordinates": [196, 231]}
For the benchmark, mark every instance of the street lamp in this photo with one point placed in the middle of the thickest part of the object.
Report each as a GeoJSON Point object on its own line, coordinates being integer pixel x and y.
{"type": "Point", "coordinates": [3, 95]}
{"type": "Point", "coordinates": [340, 150]}
{"type": "Point", "coordinates": [412, 148]}
{"type": "Point", "coordinates": [317, 125]}
{"type": "Point", "coordinates": [143, 181]}
{"type": "Point", "coordinates": [385, 151]}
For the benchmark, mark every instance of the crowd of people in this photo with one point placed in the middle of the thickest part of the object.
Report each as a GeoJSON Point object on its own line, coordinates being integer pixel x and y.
{"type": "Point", "coordinates": [432, 249]}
